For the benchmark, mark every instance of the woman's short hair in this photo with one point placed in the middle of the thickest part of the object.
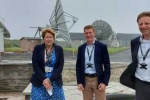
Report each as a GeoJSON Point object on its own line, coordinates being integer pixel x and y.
{"type": "Point", "coordinates": [47, 30]}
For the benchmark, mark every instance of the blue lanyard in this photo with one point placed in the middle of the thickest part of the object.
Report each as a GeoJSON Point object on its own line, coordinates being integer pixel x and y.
{"type": "Point", "coordinates": [90, 56]}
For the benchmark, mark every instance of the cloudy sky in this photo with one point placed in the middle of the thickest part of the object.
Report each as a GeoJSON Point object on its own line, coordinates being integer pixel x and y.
{"type": "Point", "coordinates": [19, 15]}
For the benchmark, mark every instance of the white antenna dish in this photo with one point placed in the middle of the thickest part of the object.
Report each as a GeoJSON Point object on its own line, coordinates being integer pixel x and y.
{"type": "Point", "coordinates": [59, 23]}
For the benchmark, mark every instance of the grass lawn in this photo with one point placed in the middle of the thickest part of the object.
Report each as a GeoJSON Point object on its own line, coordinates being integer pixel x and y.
{"type": "Point", "coordinates": [12, 49]}
{"type": "Point", "coordinates": [116, 50]}
{"type": "Point", "coordinates": [71, 49]}
{"type": "Point", "coordinates": [110, 50]}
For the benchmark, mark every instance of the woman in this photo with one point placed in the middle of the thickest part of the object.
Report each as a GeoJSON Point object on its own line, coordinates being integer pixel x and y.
{"type": "Point", "coordinates": [47, 62]}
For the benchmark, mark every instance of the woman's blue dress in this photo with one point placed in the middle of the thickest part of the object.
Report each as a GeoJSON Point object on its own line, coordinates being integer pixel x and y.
{"type": "Point", "coordinates": [40, 93]}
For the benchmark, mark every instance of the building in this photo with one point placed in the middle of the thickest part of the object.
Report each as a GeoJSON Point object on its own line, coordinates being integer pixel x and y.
{"type": "Point", "coordinates": [4, 33]}
{"type": "Point", "coordinates": [28, 43]}
{"type": "Point", "coordinates": [124, 39]}
{"type": "Point", "coordinates": [76, 40]}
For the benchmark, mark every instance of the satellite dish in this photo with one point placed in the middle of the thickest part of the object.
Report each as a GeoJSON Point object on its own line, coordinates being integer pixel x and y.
{"type": "Point", "coordinates": [103, 30]}
{"type": "Point", "coordinates": [38, 32]}
{"type": "Point", "coordinates": [59, 23]}
{"type": "Point", "coordinates": [112, 40]}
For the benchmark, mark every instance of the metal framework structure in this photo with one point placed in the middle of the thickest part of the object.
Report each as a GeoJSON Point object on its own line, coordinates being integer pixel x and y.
{"type": "Point", "coordinates": [59, 23]}
{"type": "Point", "coordinates": [38, 32]}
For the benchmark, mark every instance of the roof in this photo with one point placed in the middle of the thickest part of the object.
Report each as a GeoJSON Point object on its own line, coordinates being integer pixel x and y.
{"type": "Point", "coordinates": [127, 36]}
{"type": "Point", "coordinates": [6, 32]}
{"type": "Point", "coordinates": [120, 36]}
{"type": "Point", "coordinates": [77, 36]}
{"type": "Point", "coordinates": [31, 38]}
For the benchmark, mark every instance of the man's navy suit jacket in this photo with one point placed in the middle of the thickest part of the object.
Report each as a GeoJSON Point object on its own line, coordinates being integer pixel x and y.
{"type": "Point", "coordinates": [128, 76]}
{"type": "Point", "coordinates": [39, 67]}
{"type": "Point", "coordinates": [101, 60]}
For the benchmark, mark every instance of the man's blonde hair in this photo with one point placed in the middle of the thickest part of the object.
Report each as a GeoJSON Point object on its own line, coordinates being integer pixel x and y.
{"type": "Point", "coordinates": [143, 14]}
{"type": "Point", "coordinates": [89, 27]}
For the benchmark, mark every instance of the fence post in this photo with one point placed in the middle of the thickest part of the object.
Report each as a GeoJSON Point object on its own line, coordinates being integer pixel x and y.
{"type": "Point", "coordinates": [73, 53]}
{"type": "Point", "coordinates": [0, 57]}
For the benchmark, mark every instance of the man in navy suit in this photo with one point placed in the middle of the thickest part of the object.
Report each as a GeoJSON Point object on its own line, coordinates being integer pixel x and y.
{"type": "Point", "coordinates": [137, 75]}
{"type": "Point", "coordinates": [140, 49]}
{"type": "Point", "coordinates": [92, 66]}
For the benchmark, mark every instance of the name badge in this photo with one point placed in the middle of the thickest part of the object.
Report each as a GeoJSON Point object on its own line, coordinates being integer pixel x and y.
{"type": "Point", "coordinates": [48, 69]}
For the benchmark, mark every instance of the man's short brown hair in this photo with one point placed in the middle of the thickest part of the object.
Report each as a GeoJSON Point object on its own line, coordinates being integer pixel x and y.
{"type": "Point", "coordinates": [48, 30]}
{"type": "Point", "coordinates": [143, 14]}
{"type": "Point", "coordinates": [89, 27]}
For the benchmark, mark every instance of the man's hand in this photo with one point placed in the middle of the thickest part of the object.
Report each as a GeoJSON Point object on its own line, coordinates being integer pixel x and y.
{"type": "Point", "coordinates": [47, 84]}
{"type": "Point", "coordinates": [80, 87]}
{"type": "Point", "coordinates": [101, 86]}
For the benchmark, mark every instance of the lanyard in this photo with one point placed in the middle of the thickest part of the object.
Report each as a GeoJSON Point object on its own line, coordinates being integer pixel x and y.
{"type": "Point", "coordinates": [90, 56]}
{"type": "Point", "coordinates": [144, 56]}
{"type": "Point", "coordinates": [48, 55]}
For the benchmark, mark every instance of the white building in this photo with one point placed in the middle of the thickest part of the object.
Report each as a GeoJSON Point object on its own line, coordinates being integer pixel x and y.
{"type": "Point", "coordinates": [4, 33]}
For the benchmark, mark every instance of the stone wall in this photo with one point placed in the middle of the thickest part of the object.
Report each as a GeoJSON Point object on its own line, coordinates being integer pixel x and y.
{"type": "Point", "coordinates": [69, 74]}
{"type": "Point", "coordinates": [15, 76]}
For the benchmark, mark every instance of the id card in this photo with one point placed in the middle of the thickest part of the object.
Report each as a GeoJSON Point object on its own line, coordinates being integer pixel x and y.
{"type": "Point", "coordinates": [48, 69]}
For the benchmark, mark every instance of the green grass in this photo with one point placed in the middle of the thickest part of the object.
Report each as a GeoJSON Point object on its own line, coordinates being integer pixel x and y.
{"type": "Point", "coordinates": [12, 49]}
{"type": "Point", "coordinates": [116, 50]}
{"type": "Point", "coordinates": [110, 50]}
{"type": "Point", "coordinates": [71, 49]}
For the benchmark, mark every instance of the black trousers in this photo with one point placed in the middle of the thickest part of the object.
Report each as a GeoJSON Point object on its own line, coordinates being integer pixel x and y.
{"type": "Point", "coordinates": [142, 90]}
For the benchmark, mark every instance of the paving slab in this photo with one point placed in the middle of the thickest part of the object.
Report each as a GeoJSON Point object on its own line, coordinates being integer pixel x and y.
{"type": "Point", "coordinates": [72, 93]}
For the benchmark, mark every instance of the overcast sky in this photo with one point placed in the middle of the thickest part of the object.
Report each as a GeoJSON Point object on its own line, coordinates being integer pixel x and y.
{"type": "Point", "coordinates": [19, 15]}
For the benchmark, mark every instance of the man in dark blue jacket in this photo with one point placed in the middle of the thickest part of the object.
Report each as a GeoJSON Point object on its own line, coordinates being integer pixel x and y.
{"type": "Point", "coordinates": [137, 74]}
{"type": "Point", "coordinates": [92, 66]}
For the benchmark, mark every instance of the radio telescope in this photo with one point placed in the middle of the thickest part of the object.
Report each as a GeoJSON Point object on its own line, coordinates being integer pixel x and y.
{"type": "Point", "coordinates": [62, 22]}
{"type": "Point", "coordinates": [38, 32]}
{"type": "Point", "coordinates": [59, 23]}
{"type": "Point", "coordinates": [103, 30]}
{"type": "Point", "coordinates": [112, 40]}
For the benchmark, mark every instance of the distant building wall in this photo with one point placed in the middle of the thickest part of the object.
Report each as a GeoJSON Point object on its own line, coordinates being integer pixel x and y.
{"type": "Point", "coordinates": [74, 43]}
{"type": "Point", "coordinates": [63, 44]}
{"type": "Point", "coordinates": [23, 45]}
{"type": "Point", "coordinates": [124, 43]}
{"type": "Point", "coordinates": [1, 40]}
{"type": "Point", "coordinates": [125, 38]}
{"type": "Point", "coordinates": [28, 44]}
{"type": "Point", "coordinates": [77, 43]}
